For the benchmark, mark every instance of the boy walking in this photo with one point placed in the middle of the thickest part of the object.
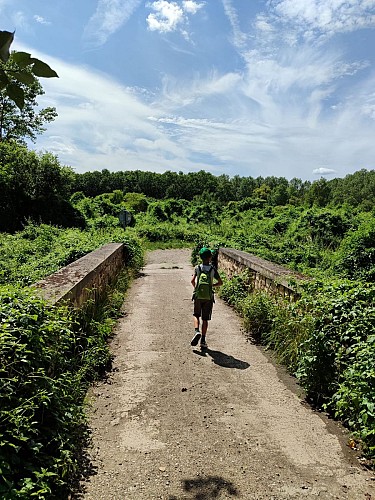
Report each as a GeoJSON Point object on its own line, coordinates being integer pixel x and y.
{"type": "Point", "coordinates": [203, 296]}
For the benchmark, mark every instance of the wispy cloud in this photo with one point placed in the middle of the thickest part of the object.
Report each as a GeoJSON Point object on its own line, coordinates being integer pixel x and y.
{"type": "Point", "coordinates": [178, 94]}
{"type": "Point", "coordinates": [290, 79]}
{"type": "Point", "coordinates": [109, 16]}
{"type": "Point", "coordinates": [326, 16]}
{"type": "Point", "coordinates": [171, 16]}
{"type": "Point", "coordinates": [239, 37]}
{"type": "Point", "coordinates": [19, 20]}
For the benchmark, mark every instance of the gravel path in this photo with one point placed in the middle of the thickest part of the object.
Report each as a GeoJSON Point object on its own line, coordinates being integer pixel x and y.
{"type": "Point", "coordinates": [172, 423]}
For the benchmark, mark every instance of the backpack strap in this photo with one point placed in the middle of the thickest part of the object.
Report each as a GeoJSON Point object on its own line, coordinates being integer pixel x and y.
{"type": "Point", "coordinates": [199, 271]}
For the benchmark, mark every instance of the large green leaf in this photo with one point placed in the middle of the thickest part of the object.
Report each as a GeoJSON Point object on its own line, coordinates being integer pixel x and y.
{"type": "Point", "coordinates": [22, 59]}
{"type": "Point", "coordinates": [6, 39]}
{"type": "Point", "coordinates": [16, 93]}
{"type": "Point", "coordinates": [40, 68]}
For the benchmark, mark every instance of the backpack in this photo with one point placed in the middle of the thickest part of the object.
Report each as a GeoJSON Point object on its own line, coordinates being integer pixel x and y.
{"type": "Point", "coordinates": [203, 289]}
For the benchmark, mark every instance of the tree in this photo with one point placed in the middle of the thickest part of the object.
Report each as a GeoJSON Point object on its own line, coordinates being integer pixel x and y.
{"type": "Point", "coordinates": [357, 190]}
{"type": "Point", "coordinates": [33, 186]}
{"type": "Point", "coordinates": [319, 193]}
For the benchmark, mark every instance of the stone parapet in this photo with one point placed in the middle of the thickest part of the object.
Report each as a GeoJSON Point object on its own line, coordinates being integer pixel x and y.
{"type": "Point", "coordinates": [84, 279]}
{"type": "Point", "coordinates": [264, 275]}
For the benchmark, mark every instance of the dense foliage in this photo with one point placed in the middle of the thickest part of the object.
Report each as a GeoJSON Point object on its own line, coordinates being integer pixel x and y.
{"type": "Point", "coordinates": [41, 413]}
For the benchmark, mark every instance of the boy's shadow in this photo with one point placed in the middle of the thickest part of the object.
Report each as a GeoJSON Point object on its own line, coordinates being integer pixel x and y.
{"type": "Point", "coordinates": [222, 359]}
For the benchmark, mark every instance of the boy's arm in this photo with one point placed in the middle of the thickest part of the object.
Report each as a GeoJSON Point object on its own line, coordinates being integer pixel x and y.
{"type": "Point", "coordinates": [218, 279]}
{"type": "Point", "coordinates": [193, 280]}
{"type": "Point", "coordinates": [219, 282]}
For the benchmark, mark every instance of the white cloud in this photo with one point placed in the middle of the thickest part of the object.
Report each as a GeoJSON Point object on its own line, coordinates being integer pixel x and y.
{"type": "Point", "coordinates": [263, 25]}
{"type": "Point", "coordinates": [191, 7]}
{"type": "Point", "coordinates": [167, 16]}
{"type": "Point", "coordinates": [170, 16]}
{"type": "Point", "coordinates": [292, 80]}
{"type": "Point", "coordinates": [324, 171]}
{"type": "Point", "coordinates": [41, 20]}
{"type": "Point", "coordinates": [109, 16]}
{"type": "Point", "coordinates": [101, 124]}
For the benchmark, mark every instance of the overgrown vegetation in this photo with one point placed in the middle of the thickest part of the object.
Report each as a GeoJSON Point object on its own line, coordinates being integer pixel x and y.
{"type": "Point", "coordinates": [48, 357]}
{"type": "Point", "coordinates": [40, 250]}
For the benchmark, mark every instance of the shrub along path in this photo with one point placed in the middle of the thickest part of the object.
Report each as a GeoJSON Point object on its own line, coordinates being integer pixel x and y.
{"type": "Point", "coordinates": [171, 423]}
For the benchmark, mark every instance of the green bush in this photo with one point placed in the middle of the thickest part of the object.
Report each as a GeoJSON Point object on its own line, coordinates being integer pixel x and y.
{"type": "Point", "coordinates": [162, 232]}
{"type": "Point", "coordinates": [356, 255]}
{"type": "Point", "coordinates": [258, 311]}
{"type": "Point", "coordinates": [354, 400]}
{"type": "Point", "coordinates": [235, 290]}
{"type": "Point", "coordinates": [41, 413]}
{"type": "Point", "coordinates": [344, 317]}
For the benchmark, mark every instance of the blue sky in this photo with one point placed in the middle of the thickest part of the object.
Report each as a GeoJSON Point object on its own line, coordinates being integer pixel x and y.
{"type": "Point", "coordinates": [236, 87]}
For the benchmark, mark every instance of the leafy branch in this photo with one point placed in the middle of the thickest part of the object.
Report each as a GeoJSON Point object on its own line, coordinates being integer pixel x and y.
{"type": "Point", "coordinates": [28, 69]}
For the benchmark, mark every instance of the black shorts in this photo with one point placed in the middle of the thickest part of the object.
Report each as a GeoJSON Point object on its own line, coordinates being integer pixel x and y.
{"type": "Point", "coordinates": [203, 308]}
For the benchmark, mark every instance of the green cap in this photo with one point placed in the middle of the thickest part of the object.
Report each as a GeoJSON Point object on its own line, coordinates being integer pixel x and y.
{"type": "Point", "coordinates": [205, 252]}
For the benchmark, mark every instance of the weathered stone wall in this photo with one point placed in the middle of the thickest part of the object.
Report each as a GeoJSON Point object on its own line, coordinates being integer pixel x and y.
{"type": "Point", "coordinates": [264, 275]}
{"type": "Point", "coordinates": [84, 279]}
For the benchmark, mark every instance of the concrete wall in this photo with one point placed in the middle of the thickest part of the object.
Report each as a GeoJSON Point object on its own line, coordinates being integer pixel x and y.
{"type": "Point", "coordinates": [264, 275]}
{"type": "Point", "coordinates": [84, 279]}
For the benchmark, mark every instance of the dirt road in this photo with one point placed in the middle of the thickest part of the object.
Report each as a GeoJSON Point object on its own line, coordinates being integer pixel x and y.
{"type": "Point", "coordinates": [174, 424]}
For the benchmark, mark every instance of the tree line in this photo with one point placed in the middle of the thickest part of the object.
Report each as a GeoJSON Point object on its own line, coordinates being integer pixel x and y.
{"type": "Point", "coordinates": [358, 189]}
{"type": "Point", "coordinates": [36, 186]}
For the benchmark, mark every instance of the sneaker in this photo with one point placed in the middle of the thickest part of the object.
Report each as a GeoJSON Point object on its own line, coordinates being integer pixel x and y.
{"type": "Point", "coordinates": [195, 339]}
{"type": "Point", "coordinates": [204, 345]}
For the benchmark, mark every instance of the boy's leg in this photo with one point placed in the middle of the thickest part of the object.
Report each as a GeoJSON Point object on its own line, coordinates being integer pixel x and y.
{"type": "Point", "coordinates": [196, 338]}
{"type": "Point", "coordinates": [196, 323]}
{"type": "Point", "coordinates": [206, 316]}
{"type": "Point", "coordinates": [196, 314]}
{"type": "Point", "coordinates": [204, 331]}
